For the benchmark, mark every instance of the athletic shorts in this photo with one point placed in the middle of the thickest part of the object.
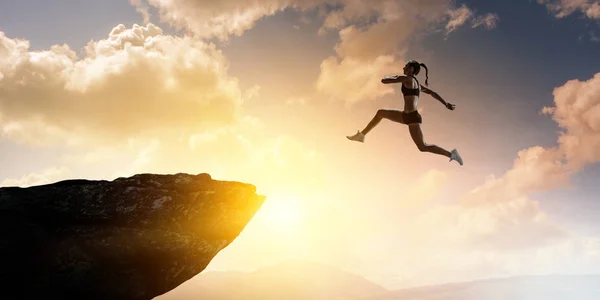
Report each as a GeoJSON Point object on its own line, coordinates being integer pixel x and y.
{"type": "Point", "coordinates": [412, 117]}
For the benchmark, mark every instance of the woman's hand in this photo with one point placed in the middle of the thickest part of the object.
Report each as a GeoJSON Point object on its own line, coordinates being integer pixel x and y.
{"type": "Point", "coordinates": [437, 97]}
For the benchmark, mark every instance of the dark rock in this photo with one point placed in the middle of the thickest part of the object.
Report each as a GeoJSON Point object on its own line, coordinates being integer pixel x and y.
{"type": "Point", "coordinates": [131, 238]}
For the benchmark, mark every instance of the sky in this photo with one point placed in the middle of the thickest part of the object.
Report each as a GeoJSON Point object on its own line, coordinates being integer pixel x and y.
{"type": "Point", "coordinates": [265, 92]}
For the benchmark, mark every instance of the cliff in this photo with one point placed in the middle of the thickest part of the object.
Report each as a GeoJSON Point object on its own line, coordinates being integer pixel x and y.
{"type": "Point", "coordinates": [130, 238]}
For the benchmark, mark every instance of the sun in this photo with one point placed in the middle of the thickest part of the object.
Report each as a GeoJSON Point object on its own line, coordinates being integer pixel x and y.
{"type": "Point", "coordinates": [283, 212]}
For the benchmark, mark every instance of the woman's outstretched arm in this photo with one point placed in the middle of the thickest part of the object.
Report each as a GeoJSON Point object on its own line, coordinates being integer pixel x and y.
{"type": "Point", "coordinates": [393, 79]}
{"type": "Point", "coordinates": [437, 97]}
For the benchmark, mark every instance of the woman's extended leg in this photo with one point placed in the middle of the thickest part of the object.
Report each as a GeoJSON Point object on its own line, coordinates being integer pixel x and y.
{"type": "Point", "coordinates": [417, 136]}
{"type": "Point", "coordinates": [393, 115]}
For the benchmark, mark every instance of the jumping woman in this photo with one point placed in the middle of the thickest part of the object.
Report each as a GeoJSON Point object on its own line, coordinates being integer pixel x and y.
{"type": "Point", "coordinates": [410, 116]}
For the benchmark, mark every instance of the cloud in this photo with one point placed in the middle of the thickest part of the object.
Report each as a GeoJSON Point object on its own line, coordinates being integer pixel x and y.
{"type": "Point", "coordinates": [489, 21]}
{"type": "Point", "coordinates": [500, 216]}
{"type": "Point", "coordinates": [593, 11]}
{"type": "Point", "coordinates": [564, 8]}
{"type": "Point", "coordinates": [136, 81]}
{"type": "Point", "coordinates": [296, 101]}
{"type": "Point", "coordinates": [500, 213]}
{"type": "Point", "coordinates": [368, 51]}
{"type": "Point", "coordinates": [500, 227]}
{"type": "Point", "coordinates": [47, 176]}
{"type": "Point", "coordinates": [420, 195]}
{"type": "Point", "coordinates": [503, 203]}
{"type": "Point", "coordinates": [142, 8]}
{"type": "Point", "coordinates": [594, 37]}
{"type": "Point", "coordinates": [365, 54]}
{"type": "Point", "coordinates": [460, 16]}
{"type": "Point", "coordinates": [578, 255]}
{"type": "Point", "coordinates": [242, 151]}
{"type": "Point", "coordinates": [501, 206]}
{"type": "Point", "coordinates": [512, 225]}
{"type": "Point", "coordinates": [220, 19]}
{"type": "Point", "coordinates": [577, 112]}
{"type": "Point", "coordinates": [374, 34]}
{"type": "Point", "coordinates": [352, 80]}
{"type": "Point", "coordinates": [535, 169]}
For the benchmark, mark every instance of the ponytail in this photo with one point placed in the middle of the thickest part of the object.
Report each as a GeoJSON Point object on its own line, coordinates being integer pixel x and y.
{"type": "Point", "coordinates": [426, 73]}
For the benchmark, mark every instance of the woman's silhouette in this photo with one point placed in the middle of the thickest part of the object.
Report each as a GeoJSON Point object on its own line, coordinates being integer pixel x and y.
{"type": "Point", "coordinates": [410, 116]}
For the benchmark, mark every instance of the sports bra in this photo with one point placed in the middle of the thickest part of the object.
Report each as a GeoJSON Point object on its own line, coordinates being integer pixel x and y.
{"type": "Point", "coordinates": [411, 92]}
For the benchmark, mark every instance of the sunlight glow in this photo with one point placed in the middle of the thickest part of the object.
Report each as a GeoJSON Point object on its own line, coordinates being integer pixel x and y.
{"type": "Point", "coordinates": [283, 212]}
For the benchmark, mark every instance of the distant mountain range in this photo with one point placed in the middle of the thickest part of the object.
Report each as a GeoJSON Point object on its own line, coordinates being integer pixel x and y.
{"type": "Point", "coordinates": [550, 287]}
{"type": "Point", "coordinates": [299, 280]}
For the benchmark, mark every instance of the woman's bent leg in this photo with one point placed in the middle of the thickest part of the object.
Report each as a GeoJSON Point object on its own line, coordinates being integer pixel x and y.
{"type": "Point", "coordinates": [417, 136]}
{"type": "Point", "coordinates": [393, 115]}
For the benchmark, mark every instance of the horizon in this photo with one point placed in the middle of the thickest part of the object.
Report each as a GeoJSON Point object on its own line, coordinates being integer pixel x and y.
{"type": "Point", "coordinates": [276, 274]}
{"type": "Point", "coordinates": [266, 92]}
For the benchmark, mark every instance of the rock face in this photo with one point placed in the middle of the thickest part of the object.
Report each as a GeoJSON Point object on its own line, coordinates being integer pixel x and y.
{"type": "Point", "coordinates": [131, 238]}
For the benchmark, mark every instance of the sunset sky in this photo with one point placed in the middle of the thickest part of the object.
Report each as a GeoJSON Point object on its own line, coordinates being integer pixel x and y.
{"type": "Point", "coordinates": [265, 91]}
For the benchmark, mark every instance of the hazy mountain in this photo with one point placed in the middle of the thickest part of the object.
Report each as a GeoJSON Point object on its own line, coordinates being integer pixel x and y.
{"type": "Point", "coordinates": [554, 287]}
{"type": "Point", "coordinates": [295, 280]}
{"type": "Point", "coordinates": [289, 280]}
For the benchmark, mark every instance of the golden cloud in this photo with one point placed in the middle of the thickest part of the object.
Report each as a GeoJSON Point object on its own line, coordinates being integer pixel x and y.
{"type": "Point", "coordinates": [564, 8]}
{"type": "Point", "coordinates": [367, 47]}
{"type": "Point", "coordinates": [577, 111]}
{"type": "Point", "coordinates": [367, 53]}
{"type": "Point", "coordinates": [135, 82]}
{"type": "Point", "coordinates": [500, 214]}
{"type": "Point", "coordinates": [46, 176]}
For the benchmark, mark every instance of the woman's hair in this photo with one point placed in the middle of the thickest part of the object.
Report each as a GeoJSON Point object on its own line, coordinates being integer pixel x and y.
{"type": "Point", "coordinates": [417, 67]}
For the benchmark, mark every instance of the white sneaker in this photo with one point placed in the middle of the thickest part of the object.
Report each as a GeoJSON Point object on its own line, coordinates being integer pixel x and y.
{"type": "Point", "coordinates": [455, 156]}
{"type": "Point", "coordinates": [359, 137]}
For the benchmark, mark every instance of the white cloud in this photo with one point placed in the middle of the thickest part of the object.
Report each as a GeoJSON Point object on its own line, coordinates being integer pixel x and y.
{"type": "Point", "coordinates": [135, 82]}
{"type": "Point", "coordinates": [374, 34]}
